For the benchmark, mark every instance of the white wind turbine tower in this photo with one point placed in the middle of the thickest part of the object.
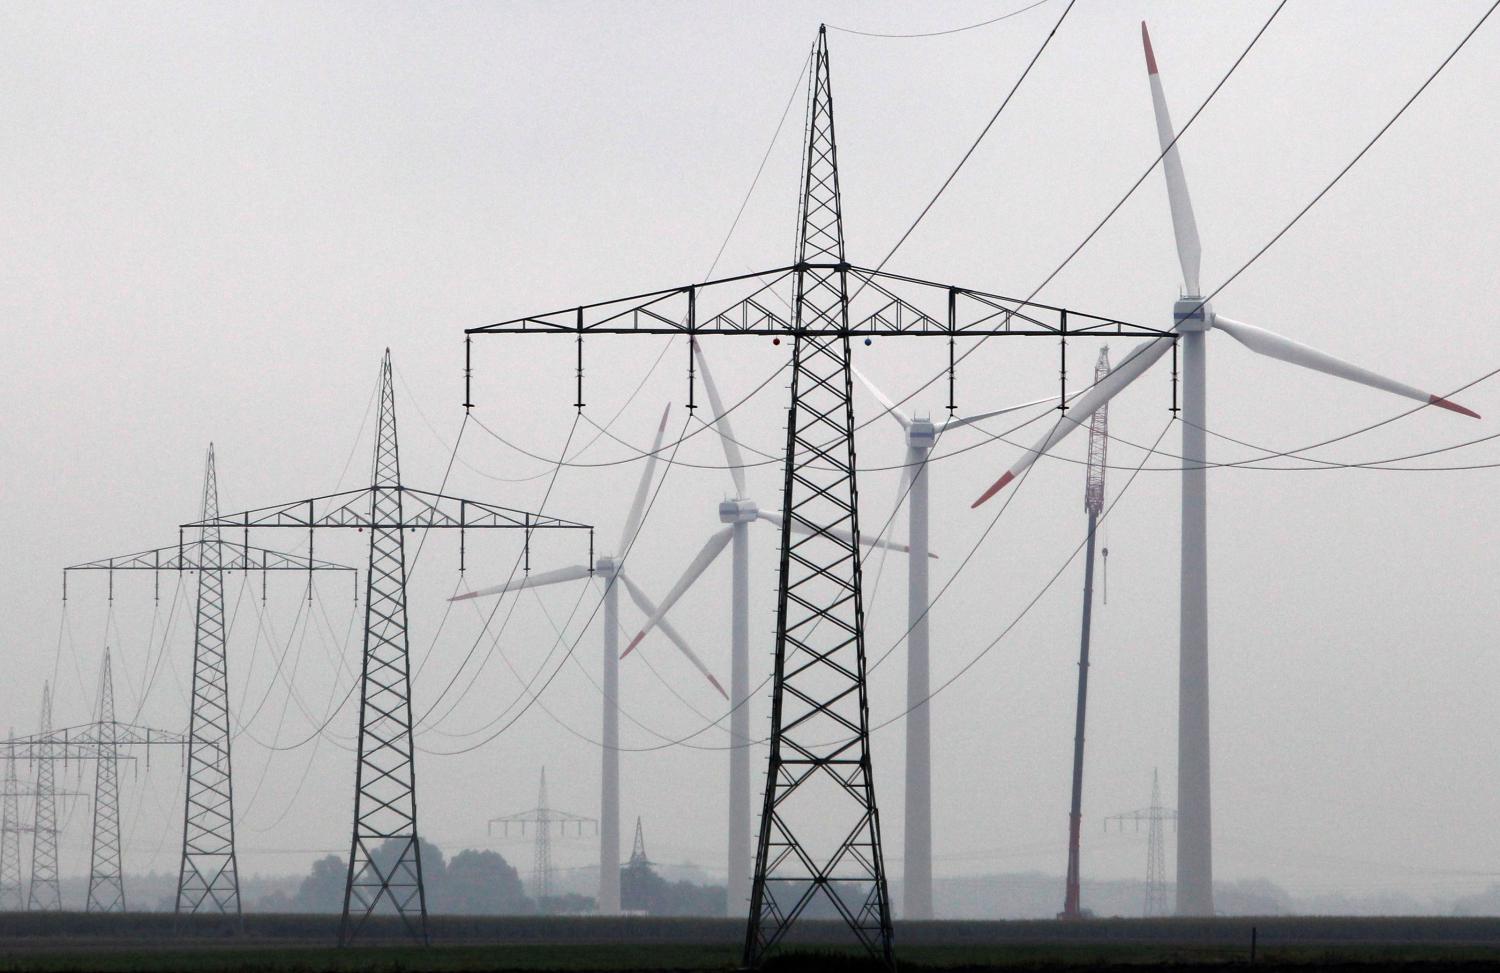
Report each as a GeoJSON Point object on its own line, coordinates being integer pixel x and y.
{"type": "Point", "coordinates": [610, 567]}
{"type": "Point", "coordinates": [921, 436]}
{"type": "Point", "coordinates": [1193, 320]}
{"type": "Point", "coordinates": [738, 512]}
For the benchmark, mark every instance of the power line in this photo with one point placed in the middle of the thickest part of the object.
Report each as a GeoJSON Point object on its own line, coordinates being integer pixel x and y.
{"type": "Point", "coordinates": [942, 33]}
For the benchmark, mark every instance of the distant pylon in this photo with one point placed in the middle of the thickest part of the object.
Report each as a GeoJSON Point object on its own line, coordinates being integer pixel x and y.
{"type": "Point", "coordinates": [12, 893]}
{"type": "Point", "coordinates": [45, 894]}
{"type": "Point", "coordinates": [541, 862]}
{"type": "Point", "coordinates": [544, 819]}
{"type": "Point", "coordinates": [209, 873]}
{"type": "Point", "coordinates": [1155, 817]}
{"type": "Point", "coordinates": [638, 857]}
{"type": "Point", "coordinates": [1156, 857]}
{"type": "Point", "coordinates": [106, 877]}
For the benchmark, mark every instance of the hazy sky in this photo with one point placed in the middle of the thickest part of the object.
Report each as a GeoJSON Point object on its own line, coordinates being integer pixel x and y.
{"type": "Point", "coordinates": [221, 215]}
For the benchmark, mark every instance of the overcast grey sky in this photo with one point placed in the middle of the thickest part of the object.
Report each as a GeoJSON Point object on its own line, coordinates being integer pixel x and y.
{"type": "Point", "coordinates": [220, 215]}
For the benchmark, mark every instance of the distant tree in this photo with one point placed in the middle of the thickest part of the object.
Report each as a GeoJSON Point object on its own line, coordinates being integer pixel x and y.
{"type": "Point", "coordinates": [478, 883]}
{"type": "Point", "coordinates": [643, 890]}
{"type": "Point", "coordinates": [323, 889]}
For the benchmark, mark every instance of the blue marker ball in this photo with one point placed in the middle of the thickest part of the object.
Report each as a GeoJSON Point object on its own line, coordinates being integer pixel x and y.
{"type": "Point", "coordinates": [867, 341]}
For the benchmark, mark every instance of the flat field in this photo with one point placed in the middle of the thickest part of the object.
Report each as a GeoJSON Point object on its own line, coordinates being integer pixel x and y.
{"type": "Point", "coordinates": [302, 944]}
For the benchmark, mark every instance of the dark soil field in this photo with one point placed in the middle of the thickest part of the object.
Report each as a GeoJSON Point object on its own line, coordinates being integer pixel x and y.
{"type": "Point", "coordinates": [301, 944]}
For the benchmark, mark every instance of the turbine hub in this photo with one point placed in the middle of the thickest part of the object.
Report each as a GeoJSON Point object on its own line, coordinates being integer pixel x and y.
{"type": "Point", "coordinates": [1192, 314]}
{"type": "Point", "coordinates": [738, 511]}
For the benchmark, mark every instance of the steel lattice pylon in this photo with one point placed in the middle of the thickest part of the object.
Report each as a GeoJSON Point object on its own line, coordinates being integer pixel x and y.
{"type": "Point", "coordinates": [45, 894]}
{"type": "Point", "coordinates": [543, 818]}
{"type": "Point", "coordinates": [385, 800]}
{"type": "Point", "coordinates": [209, 874]}
{"type": "Point", "coordinates": [106, 877]}
{"type": "Point", "coordinates": [1155, 817]}
{"type": "Point", "coordinates": [820, 828]}
{"type": "Point", "coordinates": [208, 877]}
{"type": "Point", "coordinates": [385, 865]}
{"type": "Point", "coordinates": [12, 892]}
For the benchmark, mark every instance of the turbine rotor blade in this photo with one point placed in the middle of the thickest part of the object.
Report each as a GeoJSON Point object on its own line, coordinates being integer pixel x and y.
{"type": "Point", "coordinates": [725, 431]}
{"type": "Point", "coordinates": [1273, 345]}
{"type": "Point", "coordinates": [638, 506]}
{"type": "Point", "coordinates": [710, 550]}
{"type": "Point", "coordinates": [887, 404]}
{"type": "Point", "coordinates": [644, 604]}
{"type": "Point", "coordinates": [1184, 226]}
{"type": "Point", "coordinates": [539, 580]}
{"type": "Point", "coordinates": [1135, 364]}
{"type": "Point", "coordinates": [954, 423]}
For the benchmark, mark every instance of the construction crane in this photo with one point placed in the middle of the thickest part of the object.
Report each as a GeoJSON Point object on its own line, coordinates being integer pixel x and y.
{"type": "Point", "coordinates": [1093, 502]}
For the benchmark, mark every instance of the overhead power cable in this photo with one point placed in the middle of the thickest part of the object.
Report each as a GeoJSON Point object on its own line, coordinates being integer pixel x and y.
{"type": "Point", "coordinates": [941, 33]}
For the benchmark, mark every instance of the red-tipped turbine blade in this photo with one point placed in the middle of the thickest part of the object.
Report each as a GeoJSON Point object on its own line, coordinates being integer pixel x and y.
{"type": "Point", "coordinates": [1150, 56]}
{"type": "Point", "coordinates": [995, 488]}
{"type": "Point", "coordinates": [717, 686]}
{"type": "Point", "coordinates": [633, 643]}
{"type": "Point", "coordinates": [1443, 403]}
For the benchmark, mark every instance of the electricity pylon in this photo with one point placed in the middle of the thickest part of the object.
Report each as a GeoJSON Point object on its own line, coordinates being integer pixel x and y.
{"type": "Point", "coordinates": [1155, 817]}
{"type": "Point", "coordinates": [385, 788]}
{"type": "Point", "coordinates": [208, 875]}
{"type": "Point", "coordinates": [12, 892]}
{"type": "Point", "coordinates": [543, 819]}
{"type": "Point", "coordinates": [100, 741]}
{"type": "Point", "coordinates": [45, 894]}
{"type": "Point", "coordinates": [106, 877]}
{"type": "Point", "coordinates": [1093, 502]}
{"type": "Point", "coordinates": [820, 827]}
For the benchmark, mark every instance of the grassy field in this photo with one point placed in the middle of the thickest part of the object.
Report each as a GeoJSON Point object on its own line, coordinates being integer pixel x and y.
{"type": "Point", "coordinates": [301, 944]}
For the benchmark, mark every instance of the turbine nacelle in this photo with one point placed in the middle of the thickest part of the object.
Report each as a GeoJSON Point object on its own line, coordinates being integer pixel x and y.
{"type": "Point", "coordinates": [740, 511]}
{"type": "Point", "coordinates": [607, 566]}
{"type": "Point", "coordinates": [1192, 314]}
{"type": "Point", "coordinates": [921, 434]}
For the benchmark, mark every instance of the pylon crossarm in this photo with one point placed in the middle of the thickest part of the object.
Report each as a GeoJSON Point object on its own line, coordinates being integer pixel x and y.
{"type": "Point", "coordinates": [880, 304]}
{"type": "Point", "coordinates": [89, 737]}
{"type": "Point", "coordinates": [420, 508]}
{"type": "Point", "coordinates": [195, 556]}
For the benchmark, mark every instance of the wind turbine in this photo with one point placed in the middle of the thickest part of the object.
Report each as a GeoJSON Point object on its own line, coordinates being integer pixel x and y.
{"type": "Point", "coordinates": [738, 512]}
{"type": "Point", "coordinates": [921, 436]}
{"type": "Point", "coordinates": [1193, 320]}
{"type": "Point", "coordinates": [610, 567]}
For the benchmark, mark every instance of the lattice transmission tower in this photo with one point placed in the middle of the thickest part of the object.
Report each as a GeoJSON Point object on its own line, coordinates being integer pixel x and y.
{"type": "Point", "coordinates": [1157, 901]}
{"type": "Point", "coordinates": [12, 889]}
{"type": "Point", "coordinates": [542, 819]}
{"type": "Point", "coordinates": [106, 876]}
{"type": "Point", "coordinates": [820, 828]}
{"type": "Point", "coordinates": [208, 873]}
{"type": "Point", "coordinates": [44, 894]}
{"type": "Point", "coordinates": [385, 860]}
{"type": "Point", "coordinates": [100, 741]}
